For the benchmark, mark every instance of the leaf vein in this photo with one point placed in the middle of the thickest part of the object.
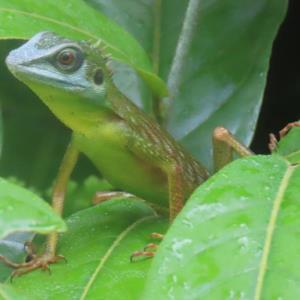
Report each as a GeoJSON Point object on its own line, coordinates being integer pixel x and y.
{"type": "Point", "coordinates": [45, 18]}
{"type": "Point", "coordinates": [108, 253]}
{"type": "Point", "coordinates": [63, 24]}
{"type": "Point", "coordinates": [270, 232]}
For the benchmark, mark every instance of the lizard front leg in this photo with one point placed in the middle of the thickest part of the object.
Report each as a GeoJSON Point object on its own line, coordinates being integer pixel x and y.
{"type": "Point", "coordinates": [58, 195]}
{"type": "Point", "coordinates": [59, 190]}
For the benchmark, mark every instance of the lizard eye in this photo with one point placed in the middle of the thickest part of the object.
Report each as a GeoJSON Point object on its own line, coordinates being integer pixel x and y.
{"type": "Point", "coordinates": [69, 59]}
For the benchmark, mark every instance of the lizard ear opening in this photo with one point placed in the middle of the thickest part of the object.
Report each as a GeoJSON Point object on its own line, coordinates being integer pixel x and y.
{"type": "Point", "coordinates": [98, 77]}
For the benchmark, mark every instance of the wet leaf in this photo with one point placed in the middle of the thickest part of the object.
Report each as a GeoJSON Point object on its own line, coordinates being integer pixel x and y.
{"type": "Point", "coordinates": [231, 239]}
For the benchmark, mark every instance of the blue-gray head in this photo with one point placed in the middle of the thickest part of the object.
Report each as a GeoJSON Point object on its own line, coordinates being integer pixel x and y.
{"type": "Point", "coordinates": [52, 60]}
{"type": "Point", "coordinates": [69, 76]}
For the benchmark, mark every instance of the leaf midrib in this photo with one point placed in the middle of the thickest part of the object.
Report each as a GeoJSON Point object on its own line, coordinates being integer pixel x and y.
{"type": "Point", "coordinates": [38, 16]}
{"type": "Point", "coordinates": [109, 252]}
{"type": "Point", "coordinates": [270, 231]}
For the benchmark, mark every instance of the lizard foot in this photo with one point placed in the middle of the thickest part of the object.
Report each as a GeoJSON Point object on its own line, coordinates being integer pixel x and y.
{"type": "Point", "coordinates": [32, 262]}
{"type": "Point", "coordinates": [272, 138]}
{"type": "Point", "coordinates": [149, 250]}
{"type": "Point", "coordinates": [287, 128]}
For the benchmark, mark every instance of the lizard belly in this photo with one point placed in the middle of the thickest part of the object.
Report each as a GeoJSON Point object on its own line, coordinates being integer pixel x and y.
{"type": "Point", "coordinates": [121, 167]}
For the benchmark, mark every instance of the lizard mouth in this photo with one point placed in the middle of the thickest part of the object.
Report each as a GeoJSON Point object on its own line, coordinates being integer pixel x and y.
{"type": "Point", "coordinates": [43, 76]}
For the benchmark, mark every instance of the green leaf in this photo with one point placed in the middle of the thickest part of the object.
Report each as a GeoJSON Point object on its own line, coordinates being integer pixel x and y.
{"type": "Point", "coordinates": [289, 146]}
{"type": "Point", "coordinates": [97, 247]}
{"type": "Point", "coordinates": [135, 16]}
{"type": "Point", "coordinates": [224, 73]}
{"type": "Point", "coordinates": [22, 19]}
{"type": "Point", "coordinates": [21, 210]}
{"type": "Point", "coordinates": [237, 237]}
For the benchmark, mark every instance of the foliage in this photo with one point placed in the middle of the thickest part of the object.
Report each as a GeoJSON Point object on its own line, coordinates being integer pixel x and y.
{"type": "Point", "coordinates": [230, 241]}
{"type": "Point", "coordinates": [213, 56]}
{"type": "Point", "coordinates": [21, 210]}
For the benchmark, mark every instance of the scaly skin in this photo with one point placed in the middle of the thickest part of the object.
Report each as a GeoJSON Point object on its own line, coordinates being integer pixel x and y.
{"type": "Point", "coordinates": [127, 146]}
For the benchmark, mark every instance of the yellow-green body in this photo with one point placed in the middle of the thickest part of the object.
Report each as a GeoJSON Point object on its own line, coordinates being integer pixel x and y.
{"type": "Point", "coordinates": [128, 173]}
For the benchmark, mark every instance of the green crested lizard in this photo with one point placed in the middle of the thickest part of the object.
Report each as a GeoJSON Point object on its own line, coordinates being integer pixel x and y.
{"type": "Point", "coordinates": [75, 81]}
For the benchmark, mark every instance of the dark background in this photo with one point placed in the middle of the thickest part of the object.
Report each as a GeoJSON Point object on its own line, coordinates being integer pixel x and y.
{"type": "Point", "coordinates": [282, 95]}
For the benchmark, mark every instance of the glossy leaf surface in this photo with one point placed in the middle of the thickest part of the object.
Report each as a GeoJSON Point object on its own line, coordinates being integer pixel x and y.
{"type": "Point", "coordinates": [226, 71]}
{"type": "Point", "coordinates": [237, 237]}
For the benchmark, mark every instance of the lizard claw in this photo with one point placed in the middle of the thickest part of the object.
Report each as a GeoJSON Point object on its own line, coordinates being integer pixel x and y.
{"type": "Point", "coordinates": [150, 246]}
{"type": "Point", "coordinates": [147, 252]}
{"type": "Point", "coordinates": [35, 262]}
{"type": "Point", "coordinates": [272, 138]}
{"type": "Point", "coordinates": [155, 235]}
{"type": "Point", "coordinates": [38, 262]}
{"type": "Point", "coordinates": [144, 254]}
{"type": "Point", "coordinates": [287, 128]}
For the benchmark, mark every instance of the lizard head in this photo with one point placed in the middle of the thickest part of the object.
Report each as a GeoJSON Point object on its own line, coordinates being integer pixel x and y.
{"type": "Point", "coordinates": [51, 60]}
{"type": "Point", "coordinates": [69, 76]}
